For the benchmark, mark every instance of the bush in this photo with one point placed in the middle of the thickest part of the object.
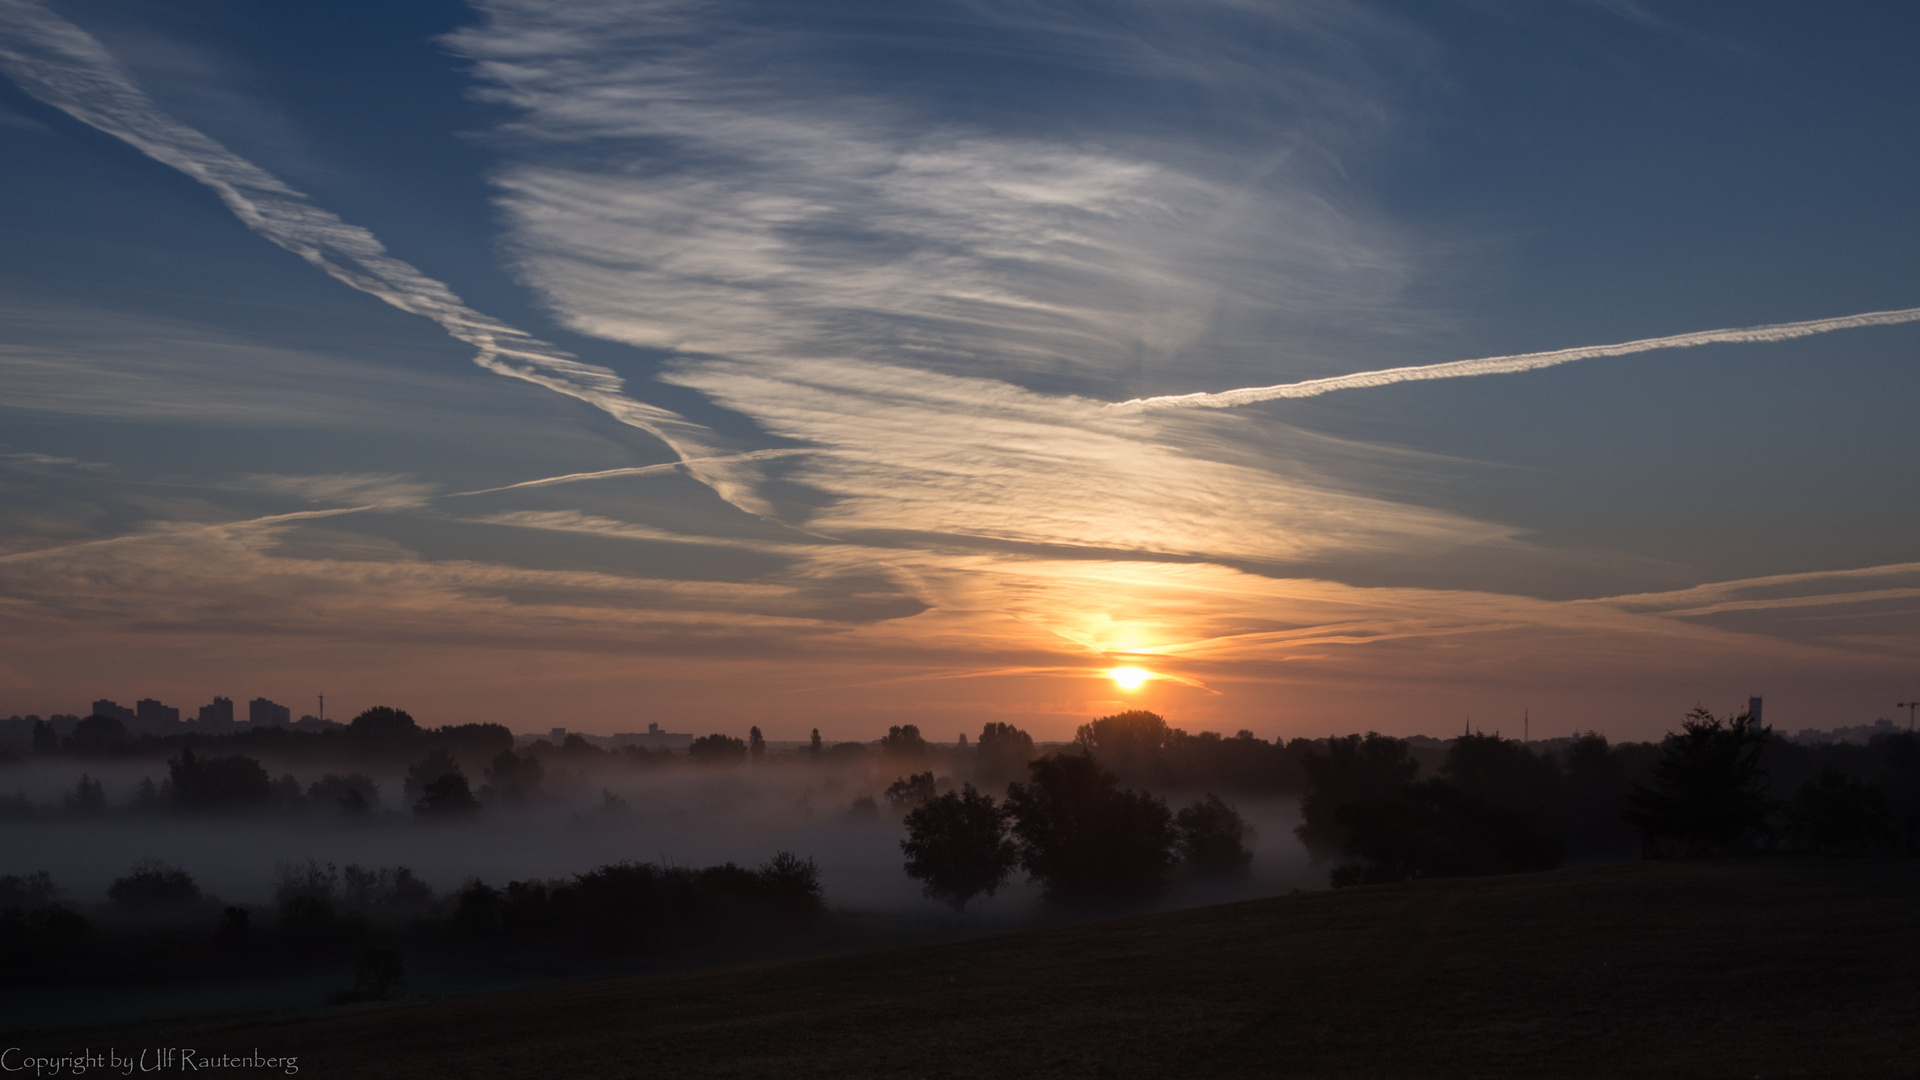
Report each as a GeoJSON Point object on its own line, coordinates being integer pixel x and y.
{"type": "Point", "coordinates": [154, 885]}
{"type": "Point", "coordinates": [1083, 837]}
{"type": "Point", "coordinates": [1212, 838]}
{"type": "Point", "coordinates": [957, 845]}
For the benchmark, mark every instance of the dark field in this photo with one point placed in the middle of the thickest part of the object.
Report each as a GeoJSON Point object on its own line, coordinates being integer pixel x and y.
{"type": "Point", "coordinates": [1740, 968]}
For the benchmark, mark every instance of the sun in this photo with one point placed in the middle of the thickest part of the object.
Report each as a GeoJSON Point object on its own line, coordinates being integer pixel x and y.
{"type": "Point", "coordinates": [1129, 678]}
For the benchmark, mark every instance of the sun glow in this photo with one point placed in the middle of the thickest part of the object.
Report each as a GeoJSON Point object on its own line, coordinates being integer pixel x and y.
{"type": "Point", "coordinates": [1129, 678]}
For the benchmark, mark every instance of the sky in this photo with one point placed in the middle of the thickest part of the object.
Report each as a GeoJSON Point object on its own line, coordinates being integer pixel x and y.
{"type": "Point", "coordinates": [1340, 366]}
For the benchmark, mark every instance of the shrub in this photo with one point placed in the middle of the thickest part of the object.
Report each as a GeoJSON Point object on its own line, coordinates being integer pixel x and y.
{"type": "Point", "coordinates": [353, 793]}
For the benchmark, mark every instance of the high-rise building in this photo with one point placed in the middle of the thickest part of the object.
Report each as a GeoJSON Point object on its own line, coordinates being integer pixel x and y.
{"type": "Point", "coordinates": [119, 712]}
{"type": "Point", "coordinates": [218, 714]}
{"type": "Point", "coordinates": [262, 711]}
{"type": "Point", "coordinates": [152, 715]}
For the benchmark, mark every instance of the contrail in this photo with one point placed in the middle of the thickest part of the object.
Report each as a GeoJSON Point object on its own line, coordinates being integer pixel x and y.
{"type": "Point", "coordinates": [65, 67]}
{"type": "Point", "coordinates": [632, 470]}
{"type": "Point", "coordinates": [1502, 365]}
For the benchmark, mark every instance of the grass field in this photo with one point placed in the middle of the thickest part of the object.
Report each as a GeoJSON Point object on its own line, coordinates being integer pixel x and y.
{"type": "Point", "coordinates": [1763, 967]}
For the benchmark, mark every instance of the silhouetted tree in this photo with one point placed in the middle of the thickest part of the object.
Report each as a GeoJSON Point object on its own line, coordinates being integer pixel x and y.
{"type": "Point", "coordinates": [1837, 812]}
{"type": "Point", "coordinates": [1003, 752]}
{"type": "Point", "coordinates": [27, 890]}
{"type": "Point", "coordinates": [218, 783]}
{"type": "Point", "coordinates": [353, 793]}
{"type": "Point", "coordinates": [514, 777]}
{"type": "Point", "coordinates": [45, 739]}
{"type": "Point", "coordinates": [153, 885]}
{"type": "Point", "coordinates": [813, 744]}
{"type": "Point", "coordinates": [911, 791]}
{"type": "Point", "coordinates": [1596, 786]}
{"type": "Point", "coordinates": [1129, 743]}
{"type": "Point", "coordinates": [756, 743]}
{"type": "Point", "coordinates": [1212, 837]}
{"type": "Point", "coordinates": [957, 845]}
{"type": "Point", "coordinates": [87, 797]}
{"type": "Point", "coordinates": [436, 764]}
{"type": "Point", "coordinates": [1505, 774]}
{"type": "Point", "coordinates": [1434, 829]}
{"type": "Point", "coordinates": [1353, 770]}
{"type": "Point", "coordinates": [1082, 836]}
{"type": "Point", "coordinates": [863, 807]}
{"type": "Point", "coordinates": [99, 736]}
{"type": "Point", "coordinates": [384, 726]}
{"type": "Point", "coordinates": [717, 749]}
{"type": "Point", "coordinates": [1708, 791]}
{"type": "Point", "coordinates": [903, 740]}
{"type": "Point", "coordinates": [447, 796]}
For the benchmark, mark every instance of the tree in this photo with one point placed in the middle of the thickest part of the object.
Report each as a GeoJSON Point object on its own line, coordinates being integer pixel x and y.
{"type": "Point", "coordinates": [1837, 812]}
{"type": "Point", "coordinates": [903, 740]}
{"type": "Point", "coordinates": [354, 793]}
{"type": "Point", "coordinates": [1596, 793]}
{"type": "Point", "coordinates": [910, 791]}
{"type": "Point", "coordinates": [436, 764]}
{"type": "Point", "coordinates": [756, 744]}
{"type": "Point", "coordinates": [384, 725]}
{"type": "Point", "coordinates": [515, 777]}
{"type": "Point", "coordinates": [1212, 838]}
{"type": "Point", "coordinates": [813, 744]}
{"type": "Point", "coordinates": [45, 739]}
{"type": "Point", "coordinates": [218, 783]}
{"type": "Point", "coordinates": [1353, 770]}
{"type": "Point", "coordinates": [153, 885]}
{"type": "Point", "coordinates": [1002, 752]}
{"type": "Point", "coordinates": [447, 796]}
{"type": "Point", "coordinates": [717, 749]}
{"type": "Point", "coordinates": [87, 797]}
{"type": "Point", "coordinates": [1129, 743]}
{"type": "Point", "coordinates": [1709, 791]}
{"type": "Point", "coordinates": [1435, 829]}
{"type": "Point", "coordinates": [957, 845]}
{"type": "Point", "coordinates": [1082, 836]}
{"type": "Point", "coordinates": [98, 736]}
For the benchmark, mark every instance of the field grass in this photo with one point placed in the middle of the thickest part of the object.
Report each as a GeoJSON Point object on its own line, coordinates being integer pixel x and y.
{"type": "Point", "coordinates": [1763, 967]}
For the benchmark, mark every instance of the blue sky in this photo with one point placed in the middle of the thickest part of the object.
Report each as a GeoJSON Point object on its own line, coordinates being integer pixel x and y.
{"type": "Point", "coordinates": [598, 363]}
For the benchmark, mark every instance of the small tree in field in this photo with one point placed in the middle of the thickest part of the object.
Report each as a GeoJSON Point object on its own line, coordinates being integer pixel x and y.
{"type": "Point", "coordinates": [957, 844]}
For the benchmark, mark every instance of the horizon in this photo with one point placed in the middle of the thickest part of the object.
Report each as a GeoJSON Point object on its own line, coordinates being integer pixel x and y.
{"type": "Point", "coordinates": [1299, 368]}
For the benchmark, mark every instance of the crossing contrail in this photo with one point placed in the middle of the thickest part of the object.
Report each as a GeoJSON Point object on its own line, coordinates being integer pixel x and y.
{"type": "Point", "coordinates": [1502, 365]}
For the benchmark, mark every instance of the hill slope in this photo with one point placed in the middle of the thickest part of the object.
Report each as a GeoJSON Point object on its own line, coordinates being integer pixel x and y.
{"type": "Point", "coordinates": [1770, 968]}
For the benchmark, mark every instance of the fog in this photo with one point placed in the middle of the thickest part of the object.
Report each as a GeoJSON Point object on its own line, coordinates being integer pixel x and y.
{"type": "Point", "coordinates": [672, 813]}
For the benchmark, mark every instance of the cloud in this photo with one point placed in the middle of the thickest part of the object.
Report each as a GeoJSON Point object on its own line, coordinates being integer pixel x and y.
{"type": "Point", "coordinates": [370, 490]}
{"type": "Point", "coordinates": [1506, 365]}
{"type": "Point", "coordinates": [63, 66]}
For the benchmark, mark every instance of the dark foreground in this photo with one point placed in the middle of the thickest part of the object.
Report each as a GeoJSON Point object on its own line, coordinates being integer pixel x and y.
{"type": "Point", "coordinates": [1765, 967]}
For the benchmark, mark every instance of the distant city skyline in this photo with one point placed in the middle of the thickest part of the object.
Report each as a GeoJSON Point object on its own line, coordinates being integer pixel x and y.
{"type": "Point", "coordinates": [1297, 367]}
